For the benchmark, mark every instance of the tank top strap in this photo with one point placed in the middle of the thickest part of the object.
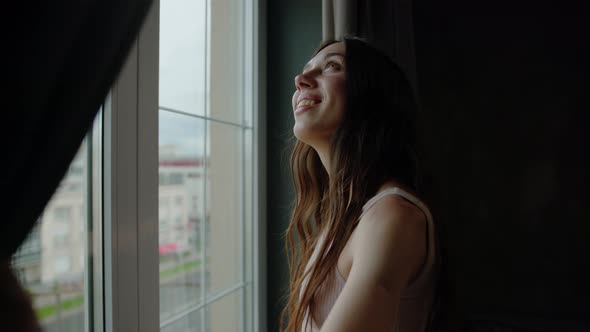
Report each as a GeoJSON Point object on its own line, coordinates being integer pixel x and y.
{"type": "Point", "coordinates": [397, 191]}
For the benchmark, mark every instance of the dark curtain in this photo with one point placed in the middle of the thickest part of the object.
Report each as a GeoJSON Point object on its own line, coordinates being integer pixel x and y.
{"type": "Point", "coordinates": [386, 24]}
{"type": "Point", "coordinates": [506, 98]}
{"type": "Point", "coordinates": [503, 89]}
{"type": "Point", "coordinates": [60, 58]}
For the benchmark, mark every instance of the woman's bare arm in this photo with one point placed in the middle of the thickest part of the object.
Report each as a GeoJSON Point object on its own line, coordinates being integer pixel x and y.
{"type": "Point", "coordinates": [388, 250]}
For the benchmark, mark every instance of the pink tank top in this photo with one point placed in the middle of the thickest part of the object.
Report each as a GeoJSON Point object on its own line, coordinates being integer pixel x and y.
{"type": "Point", "coordinates": [416, 300]}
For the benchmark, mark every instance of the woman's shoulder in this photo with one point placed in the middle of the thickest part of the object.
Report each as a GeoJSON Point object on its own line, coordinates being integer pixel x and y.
{"type": "Point", "coordinates": [394, 207]}
{"type": "Point", "coordinates": [389, 216]}
{"type": "Point", "coordinates": [392, 235]}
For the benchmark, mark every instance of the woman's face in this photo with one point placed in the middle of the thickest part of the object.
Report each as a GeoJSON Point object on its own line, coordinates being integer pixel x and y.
{"type": "Point", "coordinates": [320, 95]}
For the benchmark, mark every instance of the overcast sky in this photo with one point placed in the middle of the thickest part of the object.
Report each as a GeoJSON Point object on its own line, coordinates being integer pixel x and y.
{"type": "Point", "coordinates": [182, 73]}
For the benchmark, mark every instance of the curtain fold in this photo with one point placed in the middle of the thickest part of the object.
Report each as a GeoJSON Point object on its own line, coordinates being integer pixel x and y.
{"type": "Point", "coordinates": [386, 24]}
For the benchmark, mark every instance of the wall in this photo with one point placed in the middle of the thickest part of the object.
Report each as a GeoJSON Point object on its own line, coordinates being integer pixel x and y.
{"type": "Point", "coordinates": [294, 31]}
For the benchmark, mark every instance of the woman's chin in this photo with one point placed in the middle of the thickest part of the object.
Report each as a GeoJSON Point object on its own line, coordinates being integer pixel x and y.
{"type": "Point", "coordinates": [312, 133]}
{"type": "Point", "coordinates": [299, 131]}
{"type": "Point", "coordinates": [302, 132]}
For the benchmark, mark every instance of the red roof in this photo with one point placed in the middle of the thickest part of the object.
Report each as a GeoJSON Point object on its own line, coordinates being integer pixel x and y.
{"type": "Point", "coordinates": [168, 248]}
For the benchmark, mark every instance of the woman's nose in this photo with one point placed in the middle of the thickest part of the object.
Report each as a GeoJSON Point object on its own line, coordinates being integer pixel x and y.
{"type": "Point", "coordinates": [304, 81]}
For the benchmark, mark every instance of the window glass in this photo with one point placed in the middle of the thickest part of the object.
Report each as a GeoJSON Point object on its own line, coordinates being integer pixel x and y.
{"type": "Point", "coordinates": [183, 26]}
{"type": "Point", "coordinates": [205, 166]}
{"type": "Point", "coordinates": [182, 145]}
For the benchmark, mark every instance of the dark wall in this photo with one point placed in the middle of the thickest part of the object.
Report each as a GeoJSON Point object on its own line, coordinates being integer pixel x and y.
{"type": "Point", "coordinates": [506, 102]}
{"type": "Point", "coordinates": [293, 32]}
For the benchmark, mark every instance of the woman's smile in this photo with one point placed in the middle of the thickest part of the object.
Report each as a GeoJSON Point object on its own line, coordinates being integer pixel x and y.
{"type": "Point", "coordinates": [305, 105]}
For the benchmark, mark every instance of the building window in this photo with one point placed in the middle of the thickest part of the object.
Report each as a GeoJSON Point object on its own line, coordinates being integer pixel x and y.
{"type": "Point", "coordinates": [62, 265]}
{"type": "Point", "coordinates": [60, 240]}
{"type": "Point", "coordinates": [62, 213]}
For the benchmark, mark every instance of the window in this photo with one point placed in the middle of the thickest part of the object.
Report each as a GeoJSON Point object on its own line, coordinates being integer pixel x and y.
{"type": "Point", "coordinates": [153, 227]}
{"type": "Point", "coordinates": [62, 213]}
{"type": "Point", "coordinates": [62, 265]}
{"type": "Point", "coordinates": [61, 240]}
{"type": "Point", "coordinates": [205, 139]}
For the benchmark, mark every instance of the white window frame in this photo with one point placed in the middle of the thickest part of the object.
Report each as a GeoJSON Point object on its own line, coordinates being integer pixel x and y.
{"type": "Point", "coordinates": [129, 237]}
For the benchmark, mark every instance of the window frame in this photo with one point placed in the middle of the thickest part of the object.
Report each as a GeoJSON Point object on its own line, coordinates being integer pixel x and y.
{"type": "Point", "coordinates": [129, 269]}
{"type": "Point", "coordinates": [131, 265]}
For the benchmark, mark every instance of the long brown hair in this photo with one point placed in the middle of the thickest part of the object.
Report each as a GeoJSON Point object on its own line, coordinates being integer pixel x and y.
{"type": "Point", "coordinates": [374, 143]}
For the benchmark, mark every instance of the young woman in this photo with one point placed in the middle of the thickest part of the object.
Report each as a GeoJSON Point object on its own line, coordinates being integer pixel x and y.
{"type": "Point", "coordinates": [361, 244]}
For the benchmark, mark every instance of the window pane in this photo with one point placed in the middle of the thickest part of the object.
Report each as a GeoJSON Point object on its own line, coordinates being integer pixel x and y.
{"type": "Point", "coordinates": [225, 245]}
{"type": "Point", "coordinates": [189, 323]}
{"type": "Point", "coordinates": [183, 31]}
{"type": "Point", "coordinates": [51, 263]}
{"type": "Point", "coordinates": [181, 214]}
{"type": "Point", "coordinates": [225, 314]}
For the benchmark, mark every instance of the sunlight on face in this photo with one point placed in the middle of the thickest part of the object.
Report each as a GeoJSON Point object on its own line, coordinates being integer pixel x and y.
{"type": "Point", "coordinates": [320, 96]}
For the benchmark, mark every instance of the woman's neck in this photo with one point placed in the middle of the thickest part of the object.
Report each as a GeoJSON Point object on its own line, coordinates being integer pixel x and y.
{"type": "Point", "coordinates": [324, 154]}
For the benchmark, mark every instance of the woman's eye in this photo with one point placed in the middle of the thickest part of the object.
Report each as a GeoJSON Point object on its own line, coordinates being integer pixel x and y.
{"type": "Point", "coordinates": [333, 65]}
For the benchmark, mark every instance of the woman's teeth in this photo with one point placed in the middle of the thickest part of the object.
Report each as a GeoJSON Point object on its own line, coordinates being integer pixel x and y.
{"type": "Point", "coordinates": [307, 102]}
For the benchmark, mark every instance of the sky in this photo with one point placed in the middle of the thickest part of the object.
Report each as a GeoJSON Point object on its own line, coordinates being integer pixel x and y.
{"type": "Point", "coordinates": [185, 132]}
{"type": "Point", "coordinates": [183, 33]}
